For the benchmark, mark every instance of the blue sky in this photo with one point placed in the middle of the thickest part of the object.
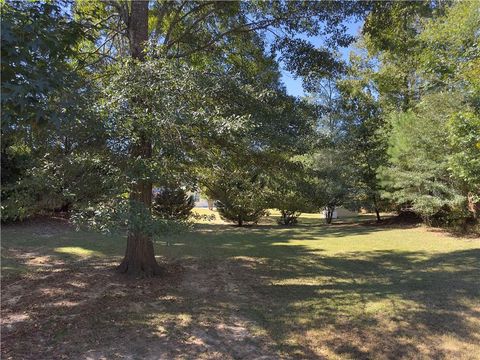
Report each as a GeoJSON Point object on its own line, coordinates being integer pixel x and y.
{"type": "Point", "coordinates": [294, 86]}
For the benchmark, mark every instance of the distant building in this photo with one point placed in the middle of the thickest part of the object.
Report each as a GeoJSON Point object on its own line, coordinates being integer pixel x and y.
{"type": "Point", "coordinates": [339, 213]}
{"type": "Point", "coordinates": [202, 202]}
{"type": "Point", "coordinates": [334, 215]}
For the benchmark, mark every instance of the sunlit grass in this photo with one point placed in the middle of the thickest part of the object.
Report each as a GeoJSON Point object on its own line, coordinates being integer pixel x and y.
{"type": "Point", "coordinates": [216, 239]}
{"type": "Point", "coordinates": [76, 251]}
{"type": "Point", "coordinates": [339, 291]}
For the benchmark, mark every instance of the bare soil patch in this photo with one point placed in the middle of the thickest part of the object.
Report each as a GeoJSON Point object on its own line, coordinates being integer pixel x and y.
{"type": "Point", "coordinates": [88, 311]}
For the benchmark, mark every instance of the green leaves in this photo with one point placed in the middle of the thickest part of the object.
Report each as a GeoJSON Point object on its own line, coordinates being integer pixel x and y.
{"type": "Point", "coordinates": [451, 46]}
{"type": "Point", "coordinates": [239, 195]}
{"type": "Point", "coordinates": [418, 147]}
{"type": "Point", "coordinates": [172, 202]}
{"type": "Point", "coordinates": [464, 136]}
{"type": "Point", "coordinates": [427, 89]}
{"type": "Point", "coordinates": [37, 40]}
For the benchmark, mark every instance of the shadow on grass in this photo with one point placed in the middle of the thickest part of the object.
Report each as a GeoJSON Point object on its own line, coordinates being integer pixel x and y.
{"type": "Point", "coordinates": [244, 293]}
{"type": "Point", "coordinates": [222, 241]}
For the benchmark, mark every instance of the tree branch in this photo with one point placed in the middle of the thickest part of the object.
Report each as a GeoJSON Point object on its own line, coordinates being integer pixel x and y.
{"type": "Point", "coordinates": [243, 28]}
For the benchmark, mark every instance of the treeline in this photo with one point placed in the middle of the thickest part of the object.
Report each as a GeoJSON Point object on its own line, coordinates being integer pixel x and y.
{"type": "Point", "coordinates": [92, 118]}
{"type": "Point", "coordinates": [425, 72]}
{"type": "Point", "coordinates": [403, 119]}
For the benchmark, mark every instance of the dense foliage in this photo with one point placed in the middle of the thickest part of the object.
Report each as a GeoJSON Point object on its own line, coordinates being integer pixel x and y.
{"type": "Point", "coordinates": [290, 192]}
{"type": "Point", "coordinates": [433, 135]}
{"type": "Point", "coordinates": [238, 191]}
{"type": "Point", "coordinates": [51, 137]}
{"type": "Point", "coordinates": [172, 203]}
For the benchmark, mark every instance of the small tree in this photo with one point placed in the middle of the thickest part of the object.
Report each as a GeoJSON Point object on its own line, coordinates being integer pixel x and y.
{"type": "Point", "coordinates": [329, 178]}
{"type": "Point", "coordinates": [173, 204]}
{"type": "Point", "coordinates": [290, 193]}
{"type": "Point", "coordinates": [239, 212]}
{"type": "Point", "coordinates": [239, 196]}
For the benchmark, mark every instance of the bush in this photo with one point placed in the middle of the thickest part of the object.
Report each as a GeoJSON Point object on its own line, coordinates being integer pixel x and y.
{"type": "Point", "coordinates": [291, 198]}
{"type": "Point", "coordinates": [288, 217]}
{"type": "Point", "coordinates": [239, 196]}
{"type": "Point", "coordinates": [240, 213]}
{"type": "Point", "coordinates": [173, 204]}
{"type": "Point", "coordinates": [291, 204]}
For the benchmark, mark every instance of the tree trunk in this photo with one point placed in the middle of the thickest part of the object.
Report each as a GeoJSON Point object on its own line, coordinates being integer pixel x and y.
{"type": "Point", "coordinates": [473, 206]}
{"type": "Point", "coordinates": [138, 28]}
{"type": "Point", "coordinates": [329, 214]}
{"type": "Point", "coordinates": [139, 257]}
{"type": "Point", "coordinates": [377, 212]}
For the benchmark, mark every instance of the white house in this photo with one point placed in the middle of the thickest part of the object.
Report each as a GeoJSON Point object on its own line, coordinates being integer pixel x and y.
{"type": "Point", "coordinates": [202, 202]}
{"type": "Point", "coordinates": [339, 213]}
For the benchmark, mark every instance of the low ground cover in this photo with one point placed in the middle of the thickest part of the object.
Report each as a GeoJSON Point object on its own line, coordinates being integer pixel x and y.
{"type": "Point", "coordinates": [352, 290]}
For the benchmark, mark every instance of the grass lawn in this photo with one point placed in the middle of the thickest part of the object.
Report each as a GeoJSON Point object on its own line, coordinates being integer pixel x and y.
{"type": "Point", "coordinates": [351, 290]}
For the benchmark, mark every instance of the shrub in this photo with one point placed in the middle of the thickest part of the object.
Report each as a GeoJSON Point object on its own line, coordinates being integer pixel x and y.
{"type": "Point", "coordinates": [173, 204]}
{"type": "Point", "coordinates": [291, 204]}
{"type": "Point", "coordinates": [239, 196]}
{"type": "Point", "coordinates": [288, 217]}
{"type": "Point", "coordinates": [291, 196]}
{"type": "Point", "coordinates": [240, 213]}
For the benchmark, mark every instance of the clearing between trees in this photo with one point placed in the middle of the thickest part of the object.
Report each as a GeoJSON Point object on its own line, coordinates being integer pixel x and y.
{"type": "Point", "coordinates": [352, 290]}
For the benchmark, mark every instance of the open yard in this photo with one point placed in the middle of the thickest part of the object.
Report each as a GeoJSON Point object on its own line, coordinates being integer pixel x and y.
{"type": "Point", "coordinates": [351, 290]}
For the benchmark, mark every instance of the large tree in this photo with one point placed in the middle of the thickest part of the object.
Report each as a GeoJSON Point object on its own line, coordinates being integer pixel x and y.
{"type": "Point", "coordinates": [424, 170]}
{"type": "Point", "coordinates": [48, 123]}
{"type": "Point", "coordinates": [139, 255]}
{"type": "Point", "coordinates": [206, 34]}
{"type": "Point", "coordinates": [361, 126]}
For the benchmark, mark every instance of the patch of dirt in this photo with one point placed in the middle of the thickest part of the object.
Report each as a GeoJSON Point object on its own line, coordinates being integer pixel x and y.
{"type": "Point", "coordinates": [88, 311]}
{"type": "Point", "coordinates": [227, 329]}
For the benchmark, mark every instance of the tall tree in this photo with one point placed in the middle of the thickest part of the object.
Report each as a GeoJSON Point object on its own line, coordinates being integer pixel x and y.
{"type": "Point", "coordinates": [362, 123]}
{"type": "Point", "coordinates": [418, 176]}
{"type": "Point", "coordinates": [450, 62]}
{"type": "Point", "coordinates": [47, 121]}
{"type": "Point", "coordinates": [443, 103]}
{"type": "Point", "coordinates": [206, 35]}
{"type": "Point", "coordinates": [139, 255]}
{"type": "Point", "coordinates": [391, 33]}
{"type": "Point", "coordinates": [326, 165]}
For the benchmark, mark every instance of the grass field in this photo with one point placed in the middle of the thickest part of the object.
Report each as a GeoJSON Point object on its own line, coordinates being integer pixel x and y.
{"type": "Point", "coordinates": [351, 290]}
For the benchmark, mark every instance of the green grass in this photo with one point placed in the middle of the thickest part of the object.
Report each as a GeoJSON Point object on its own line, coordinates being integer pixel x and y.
{"type": "Point", "coordinates": [349, 290]}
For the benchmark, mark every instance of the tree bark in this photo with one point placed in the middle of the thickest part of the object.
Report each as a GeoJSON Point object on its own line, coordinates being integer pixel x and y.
{"type": "Point", "coordinates": [138, 28]}
{"type": "Point", "coordinates": [139, 257]}
{"type": "Point", "coordinates": [377, 212]}
{"type": "Point", "coordinates": [473, 206]}
{"type": "Point", "coordinates": [329, 214]}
